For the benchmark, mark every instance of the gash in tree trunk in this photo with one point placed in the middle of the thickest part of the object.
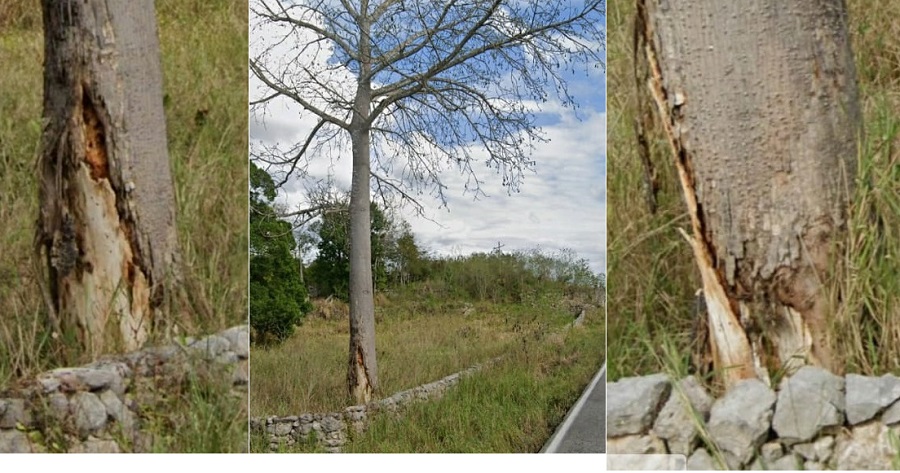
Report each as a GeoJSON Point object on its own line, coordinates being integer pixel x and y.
{"type": "Point", "coordinates": [107, 211]}
{"type": "Point", "coordinates": [759, 102]}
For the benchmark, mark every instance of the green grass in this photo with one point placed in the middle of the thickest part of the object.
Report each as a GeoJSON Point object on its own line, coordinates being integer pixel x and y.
{"type": "Point", "coordinates": [201, 414]}
{"type": "Point", "coordinates": [512, 406]}
{"type": "Point", "coordinates": [652, 273]}
{"type": "Point", "coordinates": [204, 57]}
{"type": "Point", "coordinates": [418, 340]}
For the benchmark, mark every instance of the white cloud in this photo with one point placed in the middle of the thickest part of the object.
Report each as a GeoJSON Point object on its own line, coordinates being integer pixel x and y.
{"type": "Point", "coordinates": [562, 205]}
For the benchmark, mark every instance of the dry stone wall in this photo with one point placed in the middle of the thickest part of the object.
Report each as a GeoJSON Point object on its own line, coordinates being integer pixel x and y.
{"type": "Point", "coordinates": [331, 430]}
{"type": "Point", "coordinates": [815, 420]}
{"type": "Point", "coordinates": [97, 408]}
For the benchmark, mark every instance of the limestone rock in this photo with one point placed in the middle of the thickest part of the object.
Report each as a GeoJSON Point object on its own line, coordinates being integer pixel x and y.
{"type": "Point", "coordinates": [239, 338]}
{"type": "Point", "coordinates": [14, 441]}
{"type": "Point", "coordinates": [306, 427]}
{"type": "Point", "coordinates": [645, 462]}
{"type": "Point", "coordinates": [227, 358]}
{"type": "Point", "coordinates": [739, 421]}
{"type": "Point", "coordinates": [701, 460]}
{"type": "Point", "coordinates": [771, 451]}
{"type": "Point", "coordinates": [332, 423]}
{"type": "Point", "coordinates": [162, 353]}
{"type": "Point", "coordinates": [116, 409]}
{"type": "Point", "coordinates": [257, 424]}
{"type": "Point", "coordinates": [891, 415]}
{"type": "Point", "coordinates": [810, 465]}
{"type": "Point", "coordinates": [633, 403]}
{"type": "Point", "coordinates": [789, 462]}
{"type": "Point", "coordinates": [122, 373]}
{"type": "Point", "coordinates": [357, 416]}
{"type": "Point", "coordinates": [808, 401]}
{"type": "Point", "coordinates": [48, 383]}
{"type": "Point", "coordinates": [824, 448]}
{"type": "Point", "coordinates": [635, 444]}
{"type": "Point", "coordinates": [677, 421]}
{"type": "Point", "coordinates": [818, 451]}
{"type": "Point", "coordinates": [14, 413]}
{"type": "Point", "coordinates": [95, 445]}
{"type": "Point", "coordinates": [88, 379]}
{"type": "Point", "coordinates": [89, 412]}
{"type": "Point", "coordinates": [283, 428]}
{"type": "Point", "coordinates": [210, 347]}
{"type": "Point", "coordinates": [867, 447]}
{"type": "Point", "coordinates": [241, 374]}
{"type": "Point", "coordinates": [867, 396]}
{"type": "Point", "coordinates": [58, 405]}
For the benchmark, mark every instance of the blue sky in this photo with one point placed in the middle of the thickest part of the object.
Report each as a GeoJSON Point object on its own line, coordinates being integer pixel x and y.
{"type": "Point", "coordinates": [561, 205]}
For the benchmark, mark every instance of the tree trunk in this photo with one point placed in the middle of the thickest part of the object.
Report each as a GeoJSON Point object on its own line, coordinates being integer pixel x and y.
{"type": "Point", "coordinates": [362, 372]}
{"type": "Point", "coordinates": [759, 102]}
{"type": "Point", "coordinates": [107, 210]}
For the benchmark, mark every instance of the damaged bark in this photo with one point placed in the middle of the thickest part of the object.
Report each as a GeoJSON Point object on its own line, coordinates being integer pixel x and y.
{"type": "Point", "coordinates": [106, 226]}
{"type": "Point", "coordinates": [759, 103]}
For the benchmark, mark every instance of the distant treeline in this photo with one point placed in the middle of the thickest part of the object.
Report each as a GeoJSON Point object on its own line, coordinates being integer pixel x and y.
{"type": "Point", "coordinates": [281, 284]}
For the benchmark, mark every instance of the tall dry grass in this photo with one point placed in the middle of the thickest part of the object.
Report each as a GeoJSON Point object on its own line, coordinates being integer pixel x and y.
{"type": "Point", "coordinates": [512, 406]}
{"type": "Point", "coordinates": [417, 341]}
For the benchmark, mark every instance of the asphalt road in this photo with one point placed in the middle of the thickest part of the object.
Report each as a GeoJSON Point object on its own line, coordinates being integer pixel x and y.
{"type": "Point", "coordinates": [584, 428]}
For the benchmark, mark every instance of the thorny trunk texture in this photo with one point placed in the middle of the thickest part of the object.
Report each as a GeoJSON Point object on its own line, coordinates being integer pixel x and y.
{"type": "Point", "coordinates": [107, 211]}
{"type": "Point", "coordinates": [759, 102]}
{"type": "Point", "coordinates": [362, 373]}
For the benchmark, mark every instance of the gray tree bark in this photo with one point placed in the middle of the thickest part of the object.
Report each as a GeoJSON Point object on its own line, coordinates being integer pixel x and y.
{"type": "Point", "coordinates": [107, 209]}
{"type": "Point", "coordinates": [759, 102]}
{"type": "Point", "coordinates": [362, 372]}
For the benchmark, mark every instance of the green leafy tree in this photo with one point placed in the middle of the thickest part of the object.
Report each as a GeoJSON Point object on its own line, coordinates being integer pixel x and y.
{"type": "Point", "coordinates": [330, 272]}
{"type": "Point", "coordinates": [409, 261]}
{"type": "Point", "coordinates": [278, 297]}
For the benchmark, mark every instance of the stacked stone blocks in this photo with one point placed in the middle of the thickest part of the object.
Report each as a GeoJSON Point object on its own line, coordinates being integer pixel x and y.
{"type": "Point", "coordinates": [815, 420]}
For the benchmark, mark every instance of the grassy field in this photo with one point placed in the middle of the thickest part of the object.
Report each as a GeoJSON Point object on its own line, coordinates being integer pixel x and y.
{"type": "Point", "coordinates": [204, 56]}
{"type": "Point", "coordinates": [512, 406]}
{"type": "Point", "coordinates": [652, 274]}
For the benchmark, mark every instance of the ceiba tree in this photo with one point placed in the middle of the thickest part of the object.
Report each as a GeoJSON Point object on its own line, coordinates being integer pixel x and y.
{"type": "Point", "coordinates": [759, 102]}
{"type": "Point", "coordinates": [415, 86]}
{"type": "Point", "coordinates": [106, 226]}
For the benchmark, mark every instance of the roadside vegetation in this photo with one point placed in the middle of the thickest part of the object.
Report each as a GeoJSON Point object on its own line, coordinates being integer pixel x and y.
{"type": "Point", "coordinates": [435, 315]}
{"type": "Point", "coordinates": [205, 86]}
{"type": "Point", "coordinates": [513, 405]}
{"type": "Point", "coordinates": [654, 278]}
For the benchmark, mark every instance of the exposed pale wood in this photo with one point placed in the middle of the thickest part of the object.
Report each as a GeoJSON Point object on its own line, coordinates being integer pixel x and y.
{"type": "Point", "coordinates": [759, 101]}
{"type": "Point", "coordinates": [107, 210]}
